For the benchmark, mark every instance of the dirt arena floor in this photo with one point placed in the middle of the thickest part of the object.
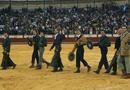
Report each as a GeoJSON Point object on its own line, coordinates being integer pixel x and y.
{"type": "Point", "coordinates": [24, 78]}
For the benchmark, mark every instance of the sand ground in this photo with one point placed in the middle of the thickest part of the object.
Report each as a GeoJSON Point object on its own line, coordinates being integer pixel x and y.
{"type": "Point", "coordinates": [24, 78]}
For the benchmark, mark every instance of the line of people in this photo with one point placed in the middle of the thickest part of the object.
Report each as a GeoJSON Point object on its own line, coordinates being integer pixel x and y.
{"type": "Point", "coordinates": [39, 43]}
{"type": "Point", "coordinates": [121, 57]}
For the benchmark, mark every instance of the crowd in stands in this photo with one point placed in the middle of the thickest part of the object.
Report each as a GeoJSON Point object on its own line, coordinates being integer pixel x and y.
{"type": "Point", "coordinates": [90, 20]}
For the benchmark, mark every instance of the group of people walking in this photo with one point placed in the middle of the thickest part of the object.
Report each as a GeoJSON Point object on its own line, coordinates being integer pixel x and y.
{"type": "Point", "coordinates": [121, 57]}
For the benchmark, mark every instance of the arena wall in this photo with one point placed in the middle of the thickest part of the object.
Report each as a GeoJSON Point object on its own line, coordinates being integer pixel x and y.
{"type": "Point", "coordinates": [69, 38]}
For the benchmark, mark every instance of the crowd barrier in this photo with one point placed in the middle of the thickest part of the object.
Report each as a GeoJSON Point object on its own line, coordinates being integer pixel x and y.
{"type": "Point", "coordinates": [19, 39]}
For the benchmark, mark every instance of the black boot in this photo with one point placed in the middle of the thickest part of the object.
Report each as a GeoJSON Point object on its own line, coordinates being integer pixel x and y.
{"type": "Point", "coordinates": [61, 69]}
{"type": "Point", "coordinates": [107, 71]}
{"type": "Point", "coordinates": [39, 67]}
{"type": "Point", "coordinates": [14, 66]}
{"type": "Point", "coordinates": [77, 71]}
{"type": "Point", "coordinates": [113, 73]}
{"type": "Point", "coordinates": [32, 66]}
{"type": "Point", "coordinates": [55, 70]}
{"type": "Point", "coordinates": [97, 71]}
{"type": "Point", "coordinates": [89, 68]}
{"type": "Point", "coordinates": [4, 68]}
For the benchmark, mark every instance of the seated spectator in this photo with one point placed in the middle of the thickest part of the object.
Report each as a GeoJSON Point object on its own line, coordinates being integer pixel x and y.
{"type": "Point", "coordinates": [90, 19]}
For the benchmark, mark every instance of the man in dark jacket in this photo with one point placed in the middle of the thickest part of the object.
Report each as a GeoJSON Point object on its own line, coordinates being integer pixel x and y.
{"type": "Point", "coordinates": [56, 60]}
{"type": "Point", "coordinates": [7, 62]}
{"type": "Point", "coordinates": [103, 45]}
{"type": "Point", "coordinates": [36, 48]}
{"type": "Point", "coordinates": [113, 64]}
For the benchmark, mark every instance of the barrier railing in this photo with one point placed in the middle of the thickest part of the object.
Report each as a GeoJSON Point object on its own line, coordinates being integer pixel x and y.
{"type": "Point", "coordinates": [67, 36]}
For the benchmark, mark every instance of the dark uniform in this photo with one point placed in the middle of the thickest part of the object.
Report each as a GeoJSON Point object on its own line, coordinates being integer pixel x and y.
{"type": "Point", "coordinates": [80, 58]}
{"type": "Point", "coordinates": [103, 45]}
{"type": "Point", "coordinates": [35, 51]}
{"type": "Point", "coordinates": [56, 60]}
{"type": "Point", "coordinates": [114, 60]}
{"type": "Point", "coordinates": [80, 53]}
{"type": "Point", "coordinates": [6, 61]}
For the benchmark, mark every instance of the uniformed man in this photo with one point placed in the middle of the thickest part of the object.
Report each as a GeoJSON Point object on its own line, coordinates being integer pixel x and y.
{"type": "Point", "coordinates": [35, 54]}
{"type": "Point", "coordinates": [79, 45]}
{"type": "Point", "coordinates": [113, 63]}
{"type": "Point", "coordinates": [7, 62]}
{"type": "Point", "coordinates": [56, 61]}
{"type": "Point", "coordinates": [42, 45]}
{"type": "Point", "coordinates": [103, 45]}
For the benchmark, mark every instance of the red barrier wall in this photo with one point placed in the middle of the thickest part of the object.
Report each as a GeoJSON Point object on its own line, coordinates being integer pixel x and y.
{"type": "Point", "coordinates": [67, 40]}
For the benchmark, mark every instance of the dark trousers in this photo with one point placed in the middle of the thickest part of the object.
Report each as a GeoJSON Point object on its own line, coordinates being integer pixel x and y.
{"type": "Point", "coordinates": [56, 61]}
{"type": "Point", "coordinates": [113, 64]}
{"type": "Point", "coordinates": [6, 61]}
{"type": "Point", "coordinates": [60, 64]}
{"type": "Point", "coordinates": [80, 58]}
{"type": "Point", "coordinates": [103, 61]}
{"type": "Point", "coordinates": [35, 56]}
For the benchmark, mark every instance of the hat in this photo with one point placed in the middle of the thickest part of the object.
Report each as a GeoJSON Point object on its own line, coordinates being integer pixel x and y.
{"type": "Point", "coordinates": [71, 56]}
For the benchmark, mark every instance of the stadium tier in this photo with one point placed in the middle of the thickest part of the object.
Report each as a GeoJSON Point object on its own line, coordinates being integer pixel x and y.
{"type": "Point", "coordinates": [90, 20]}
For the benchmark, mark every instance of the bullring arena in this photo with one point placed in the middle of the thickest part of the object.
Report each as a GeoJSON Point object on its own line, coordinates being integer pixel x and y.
{"type": "Point", "coordinates": [20, 17]}
{"type": "Point", "coordinates": [24, 78]}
